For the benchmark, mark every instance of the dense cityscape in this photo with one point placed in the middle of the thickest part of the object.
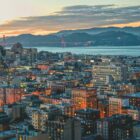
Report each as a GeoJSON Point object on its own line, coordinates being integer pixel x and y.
{"type": "Point", "coordinates": [65, 96]}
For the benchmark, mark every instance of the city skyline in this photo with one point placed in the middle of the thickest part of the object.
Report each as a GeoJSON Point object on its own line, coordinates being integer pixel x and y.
{"type": "Point", "coordinates": [69, 70]}
{"type": "Point", "coordinates": [44, 17]}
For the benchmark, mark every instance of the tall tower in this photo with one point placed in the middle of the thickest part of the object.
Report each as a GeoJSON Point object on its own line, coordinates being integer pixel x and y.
{"type": "Point", "coordinates": [4, 40]}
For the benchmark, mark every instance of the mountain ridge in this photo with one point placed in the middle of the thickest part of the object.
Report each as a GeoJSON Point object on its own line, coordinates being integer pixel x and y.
{"type": "Point", "coordinates": [109, 36]}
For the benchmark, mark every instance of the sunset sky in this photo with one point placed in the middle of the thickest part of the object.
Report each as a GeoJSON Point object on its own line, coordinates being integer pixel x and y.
{"type": "Point", "coordinates": [48, 16]}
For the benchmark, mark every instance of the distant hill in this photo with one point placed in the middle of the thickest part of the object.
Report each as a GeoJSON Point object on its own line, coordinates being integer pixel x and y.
{"type": "Point", "coordinates": [132, 30]}
{"type": "Point", "coordinates": [112, 36]}
{"type": "Point", "coordinates": [119, 38]}
{"type": "Point", "coordinates": [29, 40]}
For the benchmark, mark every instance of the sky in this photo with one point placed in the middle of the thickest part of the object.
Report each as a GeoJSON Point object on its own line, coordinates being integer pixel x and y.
{"type": "Point", "coordinates": [49, 16]}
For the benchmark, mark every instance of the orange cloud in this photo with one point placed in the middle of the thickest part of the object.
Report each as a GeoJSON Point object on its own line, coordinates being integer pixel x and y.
{"type": "Point", "coordinates": [74, 17]}
{"type": "Point", "coordinates": [132, 24]}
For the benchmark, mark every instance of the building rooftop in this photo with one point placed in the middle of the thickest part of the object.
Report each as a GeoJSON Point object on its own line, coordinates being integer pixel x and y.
{"type": "Point", "coordinates": [137, 94]}
{"type": "Point", "coordinates": [6, 134]}
{"type": "Point", "coordinates": [88, 110]}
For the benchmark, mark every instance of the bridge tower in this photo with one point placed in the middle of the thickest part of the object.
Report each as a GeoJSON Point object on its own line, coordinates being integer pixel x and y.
{"type": "Point", "coordinates": [63, 43]}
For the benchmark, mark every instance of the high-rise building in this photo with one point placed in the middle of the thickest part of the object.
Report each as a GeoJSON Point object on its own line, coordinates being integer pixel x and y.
{"type": "Point", "coordinates": [18, 112]}
{"type": "Point", "coordinates": [4, 121]}
{"type": "Point", "coordinates": [116, 127]}
{"type": "Point", "coordinates": [10, 95]}
{"type": "Point", "coordinates": [39, 119]}
{"type": "Point", "coordinates": [103, 75]}
{"type": "Point", "coordinates": [103, 107]}
{"type": "Point", "coordinates": [64, 130]}
{"type": "Point", "coordinates": [88, 118]}
{"type": "Point", "coordinates": [84, 98]}
{"type": "Point", "coordinates": [134, 113]}
{"type": "Point", "coordinates": [115, 106]}
{"type": "Point", "coordinates": [134, 99]}
{"type": "Point", "coordinates": [136, 131]}
{"type": "Point", "coordinates": [2, 59]}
